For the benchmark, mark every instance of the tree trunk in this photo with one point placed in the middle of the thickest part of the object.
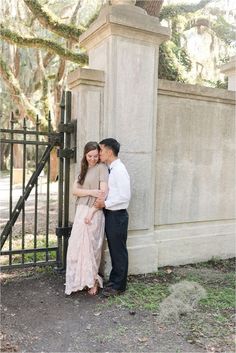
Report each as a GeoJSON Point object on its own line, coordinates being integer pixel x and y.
{"type": "Point", "coordinates": [153, 7]}
{"type": "Point", "coordinates": [26, 108]}
{"type": "Point", "coordinates": [17, 156]}
{"type": "Point", "coordinates": [4, 153]}
{"type": "Point", "coordinates": [53, 165]}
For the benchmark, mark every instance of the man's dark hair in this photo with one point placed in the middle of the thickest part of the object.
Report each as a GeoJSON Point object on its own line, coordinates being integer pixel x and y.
{"type": "Point", "coordinates": [111, 144]}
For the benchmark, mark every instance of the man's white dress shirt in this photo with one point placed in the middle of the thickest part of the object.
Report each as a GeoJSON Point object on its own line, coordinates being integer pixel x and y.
{"type": "Point", "coordinates": [118, 187]}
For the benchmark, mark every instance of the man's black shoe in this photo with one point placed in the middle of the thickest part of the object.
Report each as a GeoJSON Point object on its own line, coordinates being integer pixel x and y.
{"type": "Point", "coordinates": [108, 284]}
{"type": "Point", "coordinates": [111, 292]}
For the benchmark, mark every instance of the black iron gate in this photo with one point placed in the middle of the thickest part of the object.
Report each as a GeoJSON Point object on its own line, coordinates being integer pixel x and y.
{"type": "Point", "coordinates": [39, 245]}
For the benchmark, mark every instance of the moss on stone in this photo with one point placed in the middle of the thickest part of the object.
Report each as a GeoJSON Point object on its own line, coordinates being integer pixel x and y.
{"type": "Point", "coordinates": [52, 22]}
{"type": "Point", "coordinates": [40, 43]}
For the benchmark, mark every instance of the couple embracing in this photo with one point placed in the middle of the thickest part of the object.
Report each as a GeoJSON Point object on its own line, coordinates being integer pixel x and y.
{"type": "Point", "coordinates": [103, 193]}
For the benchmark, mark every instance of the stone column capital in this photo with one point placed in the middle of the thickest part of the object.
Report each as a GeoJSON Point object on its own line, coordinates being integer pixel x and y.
{"type": "Point", "coordinates": [83, 76]}
{"type": "Point", "coordinates": [127, 21]}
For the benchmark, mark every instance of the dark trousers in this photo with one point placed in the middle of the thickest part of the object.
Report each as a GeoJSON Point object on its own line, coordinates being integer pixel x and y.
{"type": "Point", "coordinates": [116, 228]}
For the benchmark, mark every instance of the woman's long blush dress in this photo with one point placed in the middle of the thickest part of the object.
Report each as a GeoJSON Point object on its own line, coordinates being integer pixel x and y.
{"type": "Point", "coordinates": [86, 240]}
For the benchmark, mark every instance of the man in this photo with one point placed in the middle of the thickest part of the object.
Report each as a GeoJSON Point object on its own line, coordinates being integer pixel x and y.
{"type": "Point", "coordinates": [116, 215]}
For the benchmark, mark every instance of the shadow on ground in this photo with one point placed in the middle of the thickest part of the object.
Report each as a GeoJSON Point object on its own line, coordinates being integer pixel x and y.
{"type": "Point", "coordinates": [36, 317]}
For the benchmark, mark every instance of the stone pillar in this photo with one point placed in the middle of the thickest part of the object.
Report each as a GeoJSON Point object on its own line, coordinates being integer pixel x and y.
{"type": "Point", "coordinates": [229, 69]}
{"type": "Point", "coordinates": [124, 43]}
{"type": "Point", "coordinates": [87, 87]}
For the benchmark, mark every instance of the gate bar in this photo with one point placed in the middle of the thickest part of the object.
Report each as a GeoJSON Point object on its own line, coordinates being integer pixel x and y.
{"type": "Point", "coordinates": [67, 175]}
{"type": "Point", "coordinates": [36, 190]}
{"type": "Point", "coordinates": [60, 187]}
{"type": "Point", "coordinates": [11, 183]}
{"type": "Point", "coordinates": [8, 227]}
{"type": "Point", "coordinates": [23, 190]}
{"type": "Point", "coordinates": [48, 190]}
{"type": "Point", "coordinates": [27, 251]}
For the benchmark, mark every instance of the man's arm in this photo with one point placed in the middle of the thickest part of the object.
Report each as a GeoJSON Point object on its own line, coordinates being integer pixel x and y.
{"type": "Point", "coordinates": [102, 196]}
{"type": "Point", "coordinates": [99, 203]}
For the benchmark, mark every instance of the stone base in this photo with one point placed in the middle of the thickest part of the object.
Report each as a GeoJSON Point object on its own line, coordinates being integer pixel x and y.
{"type": "Point", "coordinates": [195, 242]}
{"type": "Point", "coordinates": [178, 245]}
{"type": "Point", "coordinates": [142, 255]}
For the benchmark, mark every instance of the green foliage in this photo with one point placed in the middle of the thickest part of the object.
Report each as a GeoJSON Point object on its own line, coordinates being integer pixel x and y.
{"type": "Point", "coordinates": [174, 61]}
{"type": "Point", "coordinates": [185, 59]}
{"type": "Point", "coordinates": [216, 84]}
{"type": "Point", "coordinates": [38, 45]}
{"type": "Point", "coordinates": [224, 30]}
{"type": "Point", "coordinates": [172, 11]}
{"type": "Point", "coordinates": [167, 68]}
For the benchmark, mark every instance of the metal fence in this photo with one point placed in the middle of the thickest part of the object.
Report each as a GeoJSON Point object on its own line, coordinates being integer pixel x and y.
{"type": "Point", "coordinates": [38, 247]}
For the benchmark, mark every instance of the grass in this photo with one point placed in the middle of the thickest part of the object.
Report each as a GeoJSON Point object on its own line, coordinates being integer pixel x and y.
{"type": "Point", "coordinates": [141, 296]}
{"type": "Point", "coordinates": [19, 273]}
{"type": "Point", "coordinates": [216, 263]}
{"type": "Point", "coordinates": [211, 323]}
{"type": "Point", "coordinates": [148, 291]}
{"type": "Point", "coordinates": [229, 279]}
{"type": "Point", "coordinates": [29, 244]}
{"type": "Point", "coordinates": [219, 298]}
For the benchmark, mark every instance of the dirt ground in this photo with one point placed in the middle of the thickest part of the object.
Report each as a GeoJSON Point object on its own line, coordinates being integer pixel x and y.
{"type": "Point", "coordinates": [37, 317]}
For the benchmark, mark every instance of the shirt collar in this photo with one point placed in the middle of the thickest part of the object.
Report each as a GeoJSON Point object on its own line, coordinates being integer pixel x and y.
{"type": "Point", "coordinates": [113, 164]}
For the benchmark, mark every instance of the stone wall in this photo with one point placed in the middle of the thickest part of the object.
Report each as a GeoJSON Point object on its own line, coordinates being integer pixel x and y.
{"type": "Point", "coordinates": [195, 173]}
{"type": "Point", "coordinates": [193, 167]}
{"type": "Point", "coordinates": [177, 145]}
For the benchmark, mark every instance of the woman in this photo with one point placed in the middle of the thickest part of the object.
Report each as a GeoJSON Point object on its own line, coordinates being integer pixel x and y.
{"type": "Point", "coordinates": [86, 240]}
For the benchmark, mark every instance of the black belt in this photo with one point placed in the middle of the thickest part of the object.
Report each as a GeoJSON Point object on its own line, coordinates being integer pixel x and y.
{"type": "Point", "coordinates": [107, 211]}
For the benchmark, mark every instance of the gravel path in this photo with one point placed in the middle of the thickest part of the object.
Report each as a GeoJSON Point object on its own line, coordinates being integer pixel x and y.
{"type": "Point", "coordinates": [30, 207]}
